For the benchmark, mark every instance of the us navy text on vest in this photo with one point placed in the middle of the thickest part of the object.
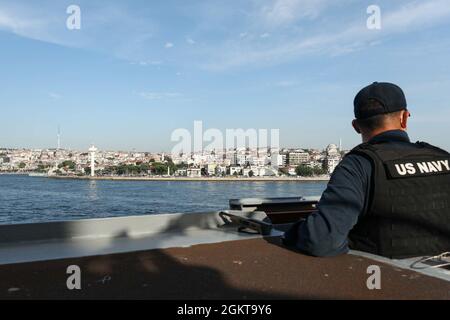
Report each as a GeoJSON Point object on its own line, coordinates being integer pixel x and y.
{"type": "Point", "coordinates": [415, 168]}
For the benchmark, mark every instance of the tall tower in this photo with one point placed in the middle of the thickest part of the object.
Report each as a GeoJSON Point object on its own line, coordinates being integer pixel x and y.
{"type": "Point", "coordinates": [92, 151]}
{"type": "Point", "coordinates": [59, 138]}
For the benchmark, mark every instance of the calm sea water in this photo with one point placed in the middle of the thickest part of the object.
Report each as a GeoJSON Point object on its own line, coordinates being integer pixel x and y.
{"type": "Point", "coordinates": [26, 199]}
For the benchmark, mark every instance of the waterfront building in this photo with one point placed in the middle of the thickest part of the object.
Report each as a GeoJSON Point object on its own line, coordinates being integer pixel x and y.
{"type": "Point", "coordinates": [221, 170]}
{"type": "Point", "coordinates": [314, 164]}
{"type": "Point", "coordinates": [194, 172]}
{"type": "Point", "coordinates": [235, 170]}
{"type": "Point", "coordinates": [181, 173]}
{"type": "Point", "coordinates": [211, 169]}
{"type": "Point", "coordinates": [297, 158]}
{"type": "Point", "coordinates": [278, 160]}
{"type": "Point", "coordinates": [251, 171]}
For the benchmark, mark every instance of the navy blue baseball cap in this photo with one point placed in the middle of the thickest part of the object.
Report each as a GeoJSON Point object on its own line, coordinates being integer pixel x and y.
{"type": "Point", "coordinates": [388, 95]}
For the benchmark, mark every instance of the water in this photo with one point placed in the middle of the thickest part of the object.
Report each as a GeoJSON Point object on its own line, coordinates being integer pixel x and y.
{"type": "Point", "coordinates": [26, 199]}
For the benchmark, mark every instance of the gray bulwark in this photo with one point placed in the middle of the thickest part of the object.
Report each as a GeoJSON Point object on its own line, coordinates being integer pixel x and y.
{"type": "Point", "coordinates": [69, 239]}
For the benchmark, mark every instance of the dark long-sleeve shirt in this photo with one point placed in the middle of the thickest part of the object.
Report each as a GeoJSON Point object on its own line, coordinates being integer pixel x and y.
{"type": "Point", "coordinates": [345, 199]}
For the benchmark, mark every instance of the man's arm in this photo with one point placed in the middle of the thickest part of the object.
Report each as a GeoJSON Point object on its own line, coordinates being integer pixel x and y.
{"type": "Point", "coordinates": [325, 232]}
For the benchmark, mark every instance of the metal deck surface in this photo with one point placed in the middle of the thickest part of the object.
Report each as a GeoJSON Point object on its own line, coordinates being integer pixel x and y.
{"type": "Point", "coordinates": [245, 269]}
{"type": "Point", "coordinates": [191, 256]}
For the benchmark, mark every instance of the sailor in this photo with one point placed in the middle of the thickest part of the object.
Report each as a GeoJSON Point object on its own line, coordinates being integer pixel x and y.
{"type": "Point", "coordinates": [388, 196]}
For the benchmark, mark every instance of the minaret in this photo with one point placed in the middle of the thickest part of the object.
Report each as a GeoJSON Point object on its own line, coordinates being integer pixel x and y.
{"type": "Point", "coordinates": [340, 145]}
{"type": "Point", "coordinates": [92, 151]}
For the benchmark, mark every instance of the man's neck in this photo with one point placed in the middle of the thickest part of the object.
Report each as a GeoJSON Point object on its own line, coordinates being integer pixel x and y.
{"type": "Point", "coordinates": [369, 135]}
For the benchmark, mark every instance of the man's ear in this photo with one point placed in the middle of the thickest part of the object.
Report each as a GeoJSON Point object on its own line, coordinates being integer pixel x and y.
{"type": "Point", "coordinates": [356, 126]}
{"type": "Point", "coordinates": [404, 119]}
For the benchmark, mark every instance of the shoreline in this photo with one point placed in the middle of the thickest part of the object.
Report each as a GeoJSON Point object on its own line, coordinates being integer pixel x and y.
{"type": "Point", "coordinates": [214, 179]}
{"type": "Point", "coordinates": [14, 173]}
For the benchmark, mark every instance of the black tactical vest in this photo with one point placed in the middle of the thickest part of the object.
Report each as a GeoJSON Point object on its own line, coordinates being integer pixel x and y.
{"type": "Point", "coordinates": [409, 205]}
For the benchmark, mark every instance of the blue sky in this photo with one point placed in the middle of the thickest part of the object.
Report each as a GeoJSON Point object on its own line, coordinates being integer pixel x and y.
{"type": "Point", "coordinates": [137, 70]}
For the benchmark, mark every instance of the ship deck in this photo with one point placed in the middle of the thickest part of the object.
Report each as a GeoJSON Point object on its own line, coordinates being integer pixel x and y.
{"type": "Point", "coordinates": [191, 256]}
{"type": "Point", "coordinates": [240, 269]}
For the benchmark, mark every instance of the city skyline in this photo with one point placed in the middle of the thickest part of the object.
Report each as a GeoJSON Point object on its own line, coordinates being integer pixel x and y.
{"type": "Point", "coordinates": [167, 152]}
{"type": "Point", "coordinates": [212, 163]}
{"type": "Point", "coordinates": [135, 72]}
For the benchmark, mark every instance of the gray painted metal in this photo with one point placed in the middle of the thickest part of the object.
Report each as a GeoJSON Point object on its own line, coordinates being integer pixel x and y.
{"type": "Point", "coordinates": [114, 227]}
{"type": "Point", "coordinates": [259, 201]}
{"type": "Point", "coordinates": [69, 239]}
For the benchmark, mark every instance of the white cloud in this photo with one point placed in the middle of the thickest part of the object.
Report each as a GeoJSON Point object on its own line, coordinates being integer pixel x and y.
{"type": "Point", "coordinates": [286, 84]}
{"type": "Point", "coordinates": [113, 29]}
{"type": "Point", "coordinates": [282, 12]}
{"type": "Point", "coordinates": [54, 96]}
{"type": "Point", "coordinates": [127, 35]}
{"type": "Point", "coordinates": [348, 39]}
{"type": "Point", "coordinates": [25, 24]}
{"type": "Point", "coordinates": [148, 63]}
{"type": "Point", "coordinates": [159, 95]}
{"type": "Point", "coordinates": [416, 14]}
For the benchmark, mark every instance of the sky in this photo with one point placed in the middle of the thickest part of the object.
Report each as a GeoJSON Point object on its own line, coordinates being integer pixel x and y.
{"type": "Point", "coordinates": [137, 70]}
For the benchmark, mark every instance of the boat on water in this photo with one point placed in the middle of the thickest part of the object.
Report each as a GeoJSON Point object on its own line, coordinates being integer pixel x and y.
{"type": "Point", "coordinates": [230, 254]}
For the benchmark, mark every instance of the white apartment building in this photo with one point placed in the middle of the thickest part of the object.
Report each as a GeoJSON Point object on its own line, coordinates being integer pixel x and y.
{"type": "Point", "coordinates": [194, 172]}
{"type": "Point", "coordinates": [235, 170]}
{"type": "Point", "coordinates": [181, 173]}
{"type": "Point", "coordinates": [253, 169]}
{"type": "Point", "coordinates": [297, 158]}
{"type": "Point", "coordinates": [278, 160]}
{"type": "Point", "coordinates": [211, 169]}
